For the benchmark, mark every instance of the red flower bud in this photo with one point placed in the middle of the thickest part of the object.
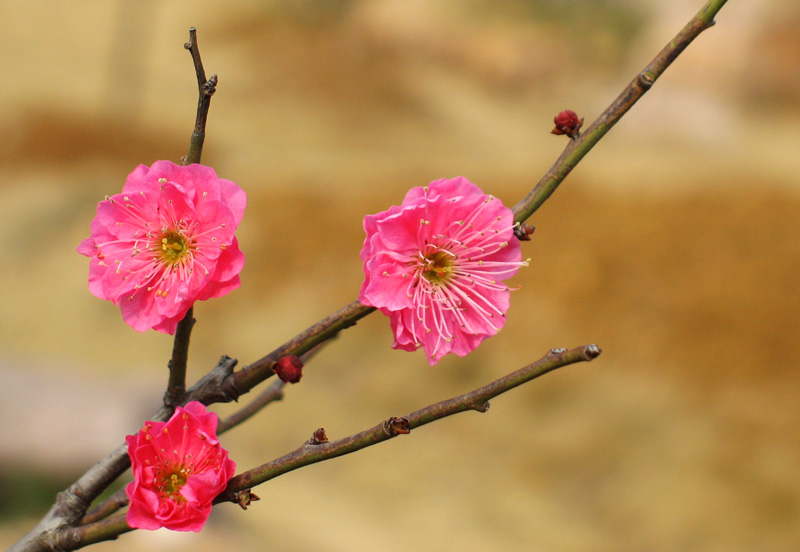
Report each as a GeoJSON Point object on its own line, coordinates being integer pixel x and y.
{"type": "Point", "coordinates": [319, 437]}
{"type": "Point", "coordinates": [289, 368]}
{"type": "Point", "coordinates": [523, 232]}
{"type": "Point", "coordinates": [567, 122]}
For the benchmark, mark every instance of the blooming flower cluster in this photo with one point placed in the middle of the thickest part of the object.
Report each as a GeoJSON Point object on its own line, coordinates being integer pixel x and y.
{"type": "Point", "coordinates": [179, 468]}
{"type": "Point", "coordinates": [436, 263]}
{"type": "Point", "coordinates": [165, 242]}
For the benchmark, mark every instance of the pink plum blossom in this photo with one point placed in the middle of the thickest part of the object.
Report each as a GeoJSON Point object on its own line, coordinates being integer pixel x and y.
{"type": "Point", "coordinates": [435, 265]}
{"type": "Point", "coordinates": [165, 242]}
{"type": "Point", "coordinates": [179, 468]}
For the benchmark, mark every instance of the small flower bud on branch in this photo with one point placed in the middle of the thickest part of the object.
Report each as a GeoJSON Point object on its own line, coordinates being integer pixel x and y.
{"type": "Point", "coordinates": [245, 497]}
{"type": "Point", "coordinates": [396, 426]}
{"type": "Point", "coordinates": [523, 232]}
{"type": "Point", "coordinates": [567, 122]}
{"type": "Point", "coordinates": [319, 437]}
{"type": "Point", "coordinates": [289, 368]}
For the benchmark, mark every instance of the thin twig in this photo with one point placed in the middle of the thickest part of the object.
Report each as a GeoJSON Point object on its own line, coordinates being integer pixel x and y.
{"type": "Point", "coordinates": [250, 376]}
{"type": "Point", "coordinates": [71, 504]}
{"type": "Point", "coordinates": [78, 537]}
{"type": "Point", "coordinates": [206, 89]}
{"type": "Point", "coordinates": [273, 392]}
{"type": "Point", "coordinates": [577, 148]}
{"type": "Point", "coordinates": [317, 449]}
{"type": "Point", "coordinates": [313, 451]}
{"type": "Point", "coordinates": [258, 371]}
{"type": "Point", "coordinates": [110, 505]}
{"type": "Point", "coordinates": [176, 386]}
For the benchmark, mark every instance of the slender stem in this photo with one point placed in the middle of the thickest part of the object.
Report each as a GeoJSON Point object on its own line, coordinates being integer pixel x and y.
{"type": "Point", "coordinates": [99, 531]}
{"type": "Point", "coordinates": [176, 386]}
{"type": "Point", "coordinates": [206, 89]}
{"type": "Point", "coordinates": [315, 451]}
{"type": "Point", "coordinates": [250, 376]}
{"type": "Point", "coordinates": [110, 505]}
{"type": "Point", "coordinates": [580, 146]}
{"type": "Point", "coordinates": [274, 392]}
{"type": "Point", "coordinates": [72, 504]}
{"type": "Point", "coordinates": [258, 371]}
{"type": "Point", "coordinates": [312, 452]}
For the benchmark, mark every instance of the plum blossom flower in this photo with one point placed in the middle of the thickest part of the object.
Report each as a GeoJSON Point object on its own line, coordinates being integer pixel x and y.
{"type": "Point", "coordinates": [165, 242]}
{"type": "Point", "coordinates": [179, 468]}
{"type": "Point", "coordinates": [435, 265]}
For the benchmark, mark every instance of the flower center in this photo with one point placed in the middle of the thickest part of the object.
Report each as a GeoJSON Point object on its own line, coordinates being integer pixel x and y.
{"type": "Point", "coordinates": [173, 247]}
{"type": "Point", "coordinates": [171, 483]}
{"type": "Point", "coordinates": [437, 267]}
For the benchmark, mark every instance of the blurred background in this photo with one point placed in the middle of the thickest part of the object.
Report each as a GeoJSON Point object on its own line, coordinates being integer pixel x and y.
{"type": "Point", "coordinates": [674, 246]}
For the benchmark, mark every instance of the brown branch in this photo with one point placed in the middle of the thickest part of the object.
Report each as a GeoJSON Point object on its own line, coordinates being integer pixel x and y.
{"type": "Point", "coordinates": [72, 503]}
{"type": "Point", "coordinates": [206, 89]}
{"type": "Point", "coordinates": [274, 392]}
{"type": "Point", "coordinates": [78, 537]}
{"type": "Point", "coordinates": [250, 376]}
{"type": "Point", "coordinates": [222, 384]}
{"type": "Point", "coordinates": [110, 505]}
{"type": "Point", "coordinates": [176, 386]}
{"type": "Point", "coordinates": [318, 449]}
{"type": "Point", "coordinates": [577, 148]}
{"type": "Point", "coordinates": [255, 373]}
{"type": "Point", "coordinates": [271, 394]}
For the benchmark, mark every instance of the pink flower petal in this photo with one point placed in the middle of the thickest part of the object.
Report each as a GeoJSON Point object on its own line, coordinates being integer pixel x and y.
{"type": "Point", "coordinates": [179, 468]}
{"type": "Point", "coordinates": [166, 241]}
{"type": "Point", "coordinates": [435, 265]}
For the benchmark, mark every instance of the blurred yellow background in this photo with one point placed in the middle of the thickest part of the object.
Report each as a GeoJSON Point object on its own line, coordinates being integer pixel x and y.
{"type": "Point", "coordinates": [675, 246]}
